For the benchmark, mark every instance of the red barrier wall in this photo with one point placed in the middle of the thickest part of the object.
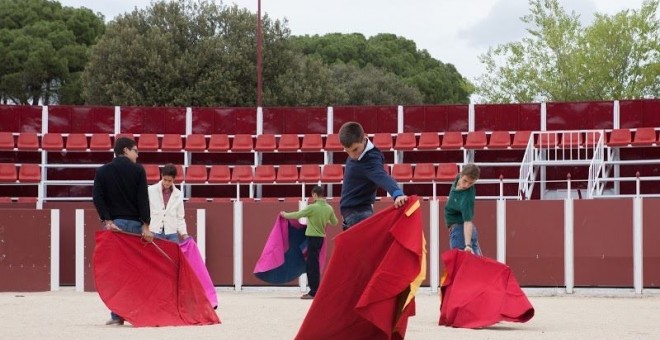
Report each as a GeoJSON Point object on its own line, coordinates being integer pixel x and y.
{"type": "Point", "coordinates": [535, 242]}
{"type": "Point", "coordinates": [603, 242]}
{"type": "Point", "coordinates": [24, 250]}
{"type": "Point", "coordinates": [651, 240]}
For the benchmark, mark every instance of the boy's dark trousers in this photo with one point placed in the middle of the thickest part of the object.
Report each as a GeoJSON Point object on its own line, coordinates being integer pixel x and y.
{"type": "Point", "coordinates": [314, 245]}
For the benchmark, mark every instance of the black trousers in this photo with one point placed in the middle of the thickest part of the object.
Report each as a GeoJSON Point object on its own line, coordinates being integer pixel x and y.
{"type": "Point", "coordinates": [314, 245]}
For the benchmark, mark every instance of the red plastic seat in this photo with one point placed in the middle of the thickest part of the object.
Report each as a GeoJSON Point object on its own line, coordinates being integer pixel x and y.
{"type": "Point", "coordinates": [452, 140]}
{"type": "Point", "coordinates": [521, 139]}
{"type": "Point", "coordinates": [312, 142]}
{"type": "Point", "coordinates": [571, 140]}
{"type": "Point", "coordinates": [98, 142]}
{"type": "Point", "coordinates": [76, 142]}
{"type": "Point", "coordinates": [196, 174]}
{"type": "Point", "coordinates": [620, 137]}
{"type": "Point", "coordinates": [196, 142]}
{"type": "Point", "coordinates": [383, 141]}
{"type": "Point", "coordinates": [332, 143]}
{"type": "Point", "coordinates": [424, 172]}
{"type": "Point", "coordinates": [5, 199]}
{"type": "Point", "coordinates": [219, 174]}
{"type": "Point", "coordinates": [27, 141]}
{"type": "Point", "coordinates": [310, 173]}
{"type": "Point", "coordinates": [402, 172]}
{"type": "Point", "coordinates": [7, 141]}
{"type": "Point", "coordinates": [219, 143]}
{"type": "Point", "coordinates": [148, 142]}
{"type": "Point", "coordinates": [171, 142]}
{"type": "Point", "coordinates": [242, 174]}
{"type": "Point", "coordinates": [197, 200]}
{"type": "Point", "coordinates": [499, 140]}
{"type": "Point", "coordinates": [592, 138]}
{"type": "Point", "coordinates": [289, 142]}
{"type": "Point", "coordinates": [287, 173]}
{"type": "Point", "coordinates": [52, 142]}
{"type": "Point", "coordinates": [29, 173]}
{"type": "Point", "coordinates": [265, 143]}
{"type": "Point", "coordinates": [447, 172]}
{"type": "Point", "coordinates": [180, 173]}
{"type": "Point", "coordinates": [645, 136]}
{"type": "Point", "coordinates": [24, 199]}
{"type": "Point", "coordinates": [547, 140]}
{"type": "Point", "coordinates": [243, 143]}
{"type": "Point", "coordinates": [124, 135]}
{"type": "Point", "coordinates": [264, 174]}
{"type": "Point", "coordinates": [153, 173]}
{"type": "Point", "coordinates": [332, 173]}
{"type": "Point", "coordinates": [476, 140]}
{"type": "Point", "coordinates": [405, 141]}
{"type": "Point", "coordinates": [8, 173]}
{"type": "Point", "coordinates": [428, 141]}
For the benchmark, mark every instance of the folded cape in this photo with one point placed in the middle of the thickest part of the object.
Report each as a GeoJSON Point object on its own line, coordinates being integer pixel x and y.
{"type": "Point", "coordinates": [283, 258]}
{"type": "Point", "coordinates": [148, 283]}
{"type": "Point", "coordinates": [368, 289]}
{"type": "Point", "coordinates": [194, 258]}
{"type": "Point", "coordinates": [478, 292]}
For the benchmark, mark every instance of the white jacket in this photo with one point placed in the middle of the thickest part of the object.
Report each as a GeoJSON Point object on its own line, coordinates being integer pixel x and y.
{"type": "Point", "coordinates": [171, 217]}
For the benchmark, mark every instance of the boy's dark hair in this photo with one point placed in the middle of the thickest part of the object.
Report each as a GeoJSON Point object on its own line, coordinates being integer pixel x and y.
{"type": "Point", "coordinates": [351, 133]}
{"type": "Point", "coordinates": [168, 170]}
{"type": "Point", "coordinates": [471, 170]}
{"type": "Point", "coordinates": [318, 190]}
{"type": "Point", "coordinates": [121, 143]}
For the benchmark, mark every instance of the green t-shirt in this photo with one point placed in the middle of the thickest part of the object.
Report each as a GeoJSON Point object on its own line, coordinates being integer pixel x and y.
{"type": "Point", "coordinates": [318, 215]}
{"type": "Point", "coordinates": [460, 204]}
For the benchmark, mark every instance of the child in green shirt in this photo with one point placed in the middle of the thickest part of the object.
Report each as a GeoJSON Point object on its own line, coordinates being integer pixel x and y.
{"type": "Point", "coordinates": [459, 211]}
{"type": "Point", "coordinates": [318, 215]}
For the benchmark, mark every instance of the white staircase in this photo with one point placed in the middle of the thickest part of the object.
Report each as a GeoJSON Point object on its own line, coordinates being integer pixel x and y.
{"type": "Point", "coordinates": [564, 148]}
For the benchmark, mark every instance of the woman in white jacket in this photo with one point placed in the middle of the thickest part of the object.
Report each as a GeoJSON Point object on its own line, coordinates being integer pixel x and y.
{"type": "Point", "coordinates": [166, 205]}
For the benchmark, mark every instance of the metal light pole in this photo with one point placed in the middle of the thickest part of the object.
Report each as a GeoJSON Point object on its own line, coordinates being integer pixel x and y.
{"type": "Point", "coordinates": [259, 55]}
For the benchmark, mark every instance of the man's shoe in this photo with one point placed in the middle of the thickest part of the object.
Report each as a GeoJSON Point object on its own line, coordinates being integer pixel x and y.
{"type": "Point", "coordinates": [307, 297]}
{"type": "Point", "coordinates": [118, 322]}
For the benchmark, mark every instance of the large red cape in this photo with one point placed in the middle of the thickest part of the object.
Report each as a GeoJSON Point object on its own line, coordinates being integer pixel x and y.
{"type": "Point", "coordinates": [479, 292]}
{"type": "Point", "coordinates": [367, 291]}
{"type": "Point", "coordinates": [148, 284]}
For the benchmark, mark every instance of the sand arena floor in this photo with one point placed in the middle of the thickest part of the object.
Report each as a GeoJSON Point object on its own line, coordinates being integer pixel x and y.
{"type": "Point", "coordinates": [277, 314]}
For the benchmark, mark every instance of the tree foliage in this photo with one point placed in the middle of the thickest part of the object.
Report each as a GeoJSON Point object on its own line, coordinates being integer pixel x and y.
{"type": "Point", "coordinates": [43, 50]}
{"type": "Point", "coordinates": [435, 81]}
{"type": "Point", "coordinates": [185, 53]}
{"type": "Point", "coordinates": [615, 57]}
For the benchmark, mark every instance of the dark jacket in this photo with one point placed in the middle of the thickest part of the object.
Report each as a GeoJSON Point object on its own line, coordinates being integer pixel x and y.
{"type": "Point", "coordinates": [361, 180]}
{"type": "Point", "coordinates": [120, 191]}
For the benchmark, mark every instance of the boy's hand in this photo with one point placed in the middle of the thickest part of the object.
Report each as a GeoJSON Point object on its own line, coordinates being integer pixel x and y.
{"type": "Point", "coordinates": [400, 201]}
{"type": "Point", "coordinates": [282, 213]}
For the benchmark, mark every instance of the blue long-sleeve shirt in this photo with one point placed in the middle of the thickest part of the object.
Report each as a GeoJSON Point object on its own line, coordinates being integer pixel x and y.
{"type": "Point", "coordinates": [361, 180]}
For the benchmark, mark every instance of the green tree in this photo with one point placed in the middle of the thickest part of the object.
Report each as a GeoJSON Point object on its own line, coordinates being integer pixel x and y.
{"type": "Point", "coordinates": [186, 53]}
{"type": "Point", "coordinates": [435, 81]}
{"type": "Point", "coordinates": [616, 57]}
{"type": "Point", "coordinates": [43, 50]}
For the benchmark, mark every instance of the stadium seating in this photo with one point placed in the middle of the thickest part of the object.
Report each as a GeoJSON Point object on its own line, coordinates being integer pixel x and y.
{"type": "Point", "coordinates": [99, 142]}
{"type": "Point", "coordinates": [27, 141]}
{"type": "Point", "coordinates": [312, 142]}
{"type": "Point", "coordinates": [171, 142]}
{"type": "Point", "coordinates": [405, 141]}
{"type": "Point", "coordinates": [288, 142]}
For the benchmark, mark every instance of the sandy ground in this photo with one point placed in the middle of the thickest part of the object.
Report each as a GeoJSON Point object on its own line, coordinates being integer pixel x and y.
{"type": "Point", "coordinates": [278, 314]}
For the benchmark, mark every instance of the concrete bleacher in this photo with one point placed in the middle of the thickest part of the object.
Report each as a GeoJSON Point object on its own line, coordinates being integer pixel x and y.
{"type": "Point", "coordinates": [275, 152]}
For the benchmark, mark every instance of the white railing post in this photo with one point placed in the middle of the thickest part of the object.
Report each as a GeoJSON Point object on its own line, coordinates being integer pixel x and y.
{"type": "Point", "coordinates": [434, 244]}
{"type": "Point", "coordinates": [569, 271]}
{"type": "Point", "coordinates": [501, 230]}
{"type": "Point", "coordinates": [238, 245]}
{"type": "Point", "coordinates": [80, 250]}
{"type": "Point", "coordinates": [638, 245]}
{"type": "Point", "coordinates": [201, 233]}
{"type": "Point", "coordinates": [55, 250]}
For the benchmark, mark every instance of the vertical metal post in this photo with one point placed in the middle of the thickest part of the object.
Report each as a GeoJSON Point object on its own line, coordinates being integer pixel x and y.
{"type": "Point", "coordinates": [569, 271]}
{"type": "Point", "coordinates": [434, 244]}
{"type": "Point", "coordinates": [201, 232]}
{"type": "Point", "coordinates": [55, 250]}
{"type": "Point", "coordinates": [80, 250]}
{"type": "Point", "coordinates": [238, 245]}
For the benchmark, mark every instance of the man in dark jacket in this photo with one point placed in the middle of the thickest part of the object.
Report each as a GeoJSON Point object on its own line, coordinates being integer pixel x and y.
{"type": "Point", "coordinates": [121, 198]}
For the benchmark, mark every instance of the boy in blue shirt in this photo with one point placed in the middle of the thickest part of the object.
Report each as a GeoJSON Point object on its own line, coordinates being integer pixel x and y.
{"type": "Point", "coordinates": [363, 175]}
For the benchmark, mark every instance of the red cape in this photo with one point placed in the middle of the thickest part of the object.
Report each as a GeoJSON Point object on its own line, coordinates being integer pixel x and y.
{"type": "Point", "coordinates": [148, 284]}
{"type": "Point", "coordinates": [369, 285]}
{"type": "Point", "coordinates": [478, 292]}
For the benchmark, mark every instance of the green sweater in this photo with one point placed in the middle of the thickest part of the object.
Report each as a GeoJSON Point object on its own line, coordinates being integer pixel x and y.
{"type": "Point", "coordinates": [318, 215]}
{"type": "Point", "coordinates": [460, 205]}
